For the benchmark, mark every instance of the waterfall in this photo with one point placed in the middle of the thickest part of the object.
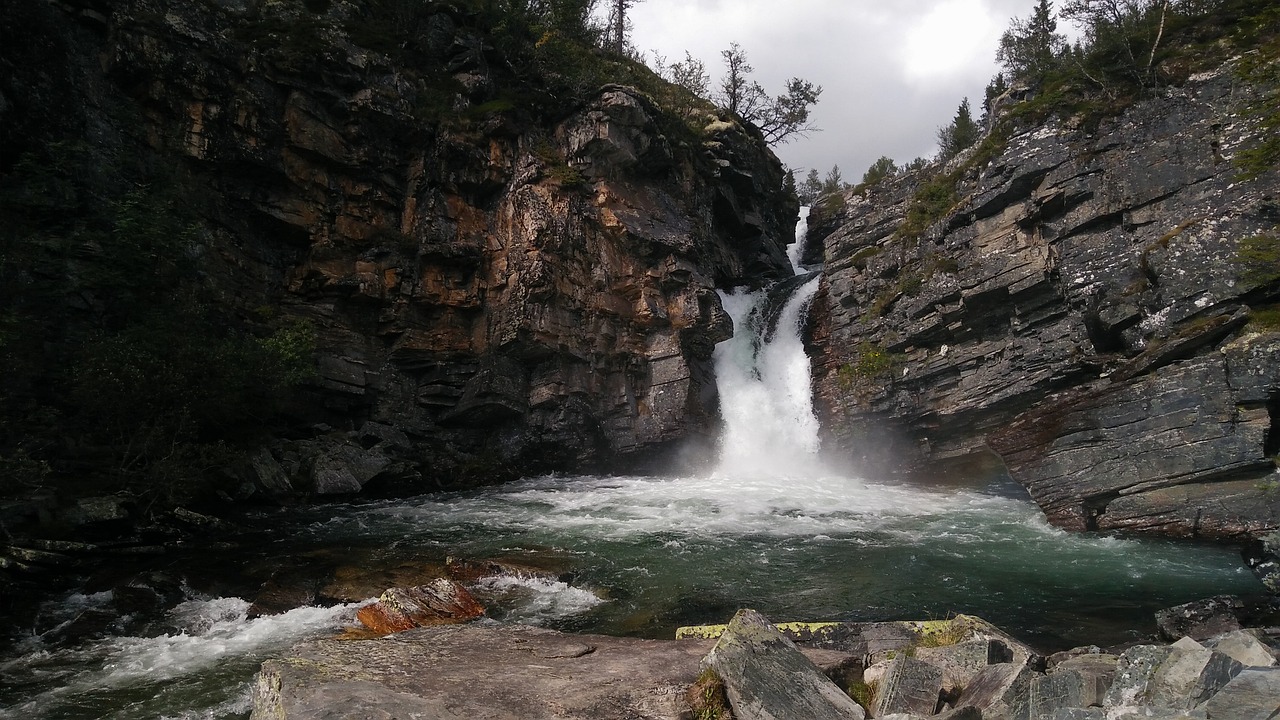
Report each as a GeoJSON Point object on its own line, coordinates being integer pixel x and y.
{"type": "Point", "coordinates": [763, 377]}
{"type": "Point", "coordinates": [795, 251]}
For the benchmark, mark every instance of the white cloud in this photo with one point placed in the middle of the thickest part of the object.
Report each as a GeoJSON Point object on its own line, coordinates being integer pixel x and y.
{"type": "Point", "coordinates": [892, 72]}
{"type": "Point", "coordinates": [953, 39]}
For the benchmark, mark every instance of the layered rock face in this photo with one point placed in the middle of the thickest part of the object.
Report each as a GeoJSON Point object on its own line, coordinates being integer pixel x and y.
{"type": "Point", "coordinates": [494, 292]}
{"type": "Point", "coordinates": [1089, 309]}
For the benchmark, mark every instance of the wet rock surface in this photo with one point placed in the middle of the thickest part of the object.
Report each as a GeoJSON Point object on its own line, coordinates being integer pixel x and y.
{"type": "Point", "coordinates": [1083, 310]}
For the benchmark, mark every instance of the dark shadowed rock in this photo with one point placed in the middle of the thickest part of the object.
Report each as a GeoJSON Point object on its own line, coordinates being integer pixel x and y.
{"type": "Point", "coordinates": [506, 288]}
{"type": "Point", "coordinates": [1200, 619]}
{"type": "Point", "coordinates": [767, 678]}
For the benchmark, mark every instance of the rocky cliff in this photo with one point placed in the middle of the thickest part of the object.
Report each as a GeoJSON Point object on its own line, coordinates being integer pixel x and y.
{"type": "Point", "coordinates": [509, 267]}
{"type": "Point", "coordinates": [1094, 306]}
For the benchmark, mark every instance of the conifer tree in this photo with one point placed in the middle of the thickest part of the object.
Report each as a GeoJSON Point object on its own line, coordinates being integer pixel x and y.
{"type": "Point", "coordinates": [883, 168]}
{"type": "Point", "coordinates": [811, 188]}
{"type": "Point", "coordinates": [960, 134]}
{"type": "Point", "coordinates": [1030, 48]}
{"type": "Point", "coordinates": [616, 36]}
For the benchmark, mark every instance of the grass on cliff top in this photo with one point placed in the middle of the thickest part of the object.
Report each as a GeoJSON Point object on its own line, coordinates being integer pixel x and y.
{"type": "Point", "coordinates": [1091, 84]}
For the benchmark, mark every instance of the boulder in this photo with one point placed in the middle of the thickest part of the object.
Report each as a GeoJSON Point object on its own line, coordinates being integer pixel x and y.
{"type": "Point", "coordinates": [345, 469]}
{"type": "Point", "coordinates": [508, 672]}
{"type": "Point", "coordinates": [357, 582]}
{"type": "Point", "coordinates": [1200, 619]}
{"type": "Point", "coordinates": [1244, 647]}
{"type": "Point", "coordinates": [439, 602]}
{"type": "Point", "coordinates": [1189, 675]}
{"type": "Point", "coordinates": [268, 473]}
{"type": "Point", "coordinates": [960, 663]}
{"type": "Point", "coordinates": [995, 688]}
{"type": "Point", "coordinates": [909, 686]}
{"type": "Point", "coordinates": [1133, 675]}
{"type": "Point", "coordinates": [1096, 673]}
{"type": "Point", "coordinates": [1254, 694]}
{"type": "Point", "coordinates": [766, 677]}
{"type": "Point", "coordinates": [1262, 555]}
{"type": "Point", "coordinates": [1050, 694]}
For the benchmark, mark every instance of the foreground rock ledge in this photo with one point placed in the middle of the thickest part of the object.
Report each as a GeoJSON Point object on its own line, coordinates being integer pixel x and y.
{"type": "Point", "coordinates": [481, 672]}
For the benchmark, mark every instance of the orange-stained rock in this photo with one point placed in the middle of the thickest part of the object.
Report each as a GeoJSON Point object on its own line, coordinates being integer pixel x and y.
{"type": "Point", "coordinates": [439, 602]}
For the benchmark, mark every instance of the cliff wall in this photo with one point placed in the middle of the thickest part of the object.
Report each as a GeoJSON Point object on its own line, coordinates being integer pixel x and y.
{"type": "Point", "coordinates": [1095, 306]}
{"type": "Point", "coordinates": [506, 272]}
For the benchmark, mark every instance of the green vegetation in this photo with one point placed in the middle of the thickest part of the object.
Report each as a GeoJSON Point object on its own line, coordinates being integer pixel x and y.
{"type": "Point", "coordinates": [860, 258]}
{"type": "Point", "coordinates": [557, 168]}
{"type": "Point", "coordinates": [932, 201]}
{"type": "Point", "coordinates": [873, 363]}
{"type": "Point", "coordinates": [1258, 259]}
{"type": "Point", "coordinates": [1265, 319]}
{"type": "Point", "coordinates": [1129, 49]}
{"type": "Point", "coordinates": [707, 697]}
{"type": "Point", "coordinates": [1262, 70]}
{"type": "Point", "coordinates": [112, 341]}
{"type": "Point", "coordinates": [960, 135]}
{"type": "Point", "coordinates": [863, 693]}
{"type": "Point", "coordinates": [778, 118]}
{"type": "Point", "coordinates": [942, 633]}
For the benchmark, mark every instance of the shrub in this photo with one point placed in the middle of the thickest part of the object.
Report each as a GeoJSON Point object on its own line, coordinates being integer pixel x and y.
{"type": "Point", "coordinates": [1258, 259]}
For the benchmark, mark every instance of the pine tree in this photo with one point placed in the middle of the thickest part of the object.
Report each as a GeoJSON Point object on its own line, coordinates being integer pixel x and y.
{"type": "Point", "coordinates": [789, 183]}
{"type": "Point", "coordinates": [616, 38]}
{"type": "Point", "coordinates": [1030, 48]}
{"type": "Point", "coordinates": [833, 182]}
{"type": "Point", "coordinates": [883, 168]}
{"type": "Point", "coordinates": [960, 134]}
{"type": "Point", "coordinates": [811, 188]}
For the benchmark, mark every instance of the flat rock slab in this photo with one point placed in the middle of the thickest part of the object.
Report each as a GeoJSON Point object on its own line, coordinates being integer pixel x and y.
{"type": "Point", "coordinates": [493, 673]}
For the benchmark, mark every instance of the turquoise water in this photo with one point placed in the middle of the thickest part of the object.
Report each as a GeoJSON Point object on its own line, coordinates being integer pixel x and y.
{"type": "Point", "coordinates": [641, 556]}
{"type": "Point", "coordinates": [664, 552]}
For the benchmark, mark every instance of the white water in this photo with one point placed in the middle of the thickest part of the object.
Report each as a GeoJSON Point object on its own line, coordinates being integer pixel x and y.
{"type": "Point", "coordinates": [765, 399]}
{"type": "Point", "coordinates": [167, 670]}
{"type": "Point", "coordinates": [770, 431]}
{"type": "Point", "coordinates": [795, 251]}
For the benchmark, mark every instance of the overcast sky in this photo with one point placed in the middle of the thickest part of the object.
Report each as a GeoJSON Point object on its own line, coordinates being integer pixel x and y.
{"type": "Point", "coordinates": [892, 71]}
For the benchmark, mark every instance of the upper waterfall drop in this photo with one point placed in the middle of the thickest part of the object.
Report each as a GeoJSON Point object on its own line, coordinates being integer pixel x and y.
{"type": "Point", "coordinates": [763, 375]}
{"type": "Point", "coordinates": [795, 251]}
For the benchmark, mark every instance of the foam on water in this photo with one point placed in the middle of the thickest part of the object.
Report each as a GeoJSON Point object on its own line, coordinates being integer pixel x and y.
{"type": "Point", "coordinates": [207, 633]}
{"type": "Point", "coordinates": [534, 600]}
